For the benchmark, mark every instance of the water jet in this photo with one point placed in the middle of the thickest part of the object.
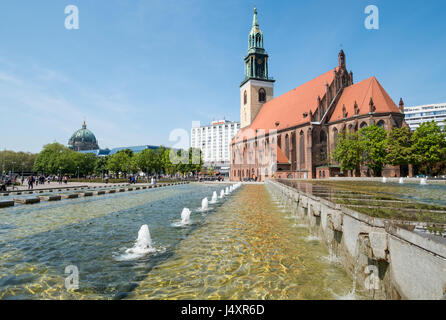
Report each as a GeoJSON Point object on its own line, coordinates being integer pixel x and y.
{"type": "Point", "coordinates": [185, 216]}
{"type": "Point", "coordinates": [204, 204]}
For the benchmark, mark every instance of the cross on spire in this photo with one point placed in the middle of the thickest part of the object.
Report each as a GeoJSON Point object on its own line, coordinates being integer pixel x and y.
{"type": "Point", "coordinates": [255, 22]}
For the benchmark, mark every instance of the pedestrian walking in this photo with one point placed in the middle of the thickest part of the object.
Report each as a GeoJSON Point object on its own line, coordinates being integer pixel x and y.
{"type": "Point", "coordinates": [30, 182]}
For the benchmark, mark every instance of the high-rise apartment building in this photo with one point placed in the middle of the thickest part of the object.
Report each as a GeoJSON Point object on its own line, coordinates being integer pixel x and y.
{"type": "Point", "coordinates": [416, 115]}
{"type": "Point", "coordinates": [214, 142]}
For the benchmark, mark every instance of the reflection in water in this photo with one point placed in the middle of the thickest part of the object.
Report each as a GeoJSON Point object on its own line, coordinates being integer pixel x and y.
{"type": "Point", "coordinates": [405, 201]}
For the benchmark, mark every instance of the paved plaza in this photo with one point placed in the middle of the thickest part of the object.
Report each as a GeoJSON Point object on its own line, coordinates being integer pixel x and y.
{"type": "Point", "coordinates": [57, 185]}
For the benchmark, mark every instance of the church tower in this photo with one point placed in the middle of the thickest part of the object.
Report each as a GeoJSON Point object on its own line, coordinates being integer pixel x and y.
{"type": "Point", "coordinates": [257, 87]}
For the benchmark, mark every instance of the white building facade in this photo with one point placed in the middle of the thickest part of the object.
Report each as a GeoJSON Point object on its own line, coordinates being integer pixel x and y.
{"type": "Point", "coordinates": [214, 142]}
{"type": "Point", "coordinates": [414, 116]}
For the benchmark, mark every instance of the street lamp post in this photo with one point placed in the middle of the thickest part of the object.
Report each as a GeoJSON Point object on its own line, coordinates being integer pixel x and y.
{"type": "Point", "coordinates": [3, 166]}
{"type": "Point", "coordinates": [23, 164]}
{"type": "Point", "coordinates": [77, 172]}
{"type": "Point", "coordinates": [12, 175]}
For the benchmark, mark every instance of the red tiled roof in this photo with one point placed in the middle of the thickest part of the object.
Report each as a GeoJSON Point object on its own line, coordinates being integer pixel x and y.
{"type": "Point", "coordinates": [361, 93]}
{"type": "Point", "coordinates": [287, 110]}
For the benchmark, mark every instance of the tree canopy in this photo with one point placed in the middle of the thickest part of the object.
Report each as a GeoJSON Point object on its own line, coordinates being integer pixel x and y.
{"type": "Point", "coordinates": [373, 144]}
{"type": "Point", "coordinates": [399, 147]}
{"type": "Point", "coordinates": [55, 158]}
{"type": "Point", "coordinates": [428, 146]}
{"type": "Point", "coordinates": [17, 161]}
{"type": "Point", "coordinates": [348, 152]}
{"type": "Point", "coordinates": [374, 147]}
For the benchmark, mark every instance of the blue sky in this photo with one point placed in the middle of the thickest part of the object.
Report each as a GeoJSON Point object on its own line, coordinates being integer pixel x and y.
{"type": "Point", "coordinates": [138, 69]}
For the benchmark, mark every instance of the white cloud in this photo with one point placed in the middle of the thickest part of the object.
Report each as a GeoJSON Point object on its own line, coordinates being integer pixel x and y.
{"type": "Point", "coordinates": [36, 102]}
{"type": "Point", "coordinates": [4, 77]}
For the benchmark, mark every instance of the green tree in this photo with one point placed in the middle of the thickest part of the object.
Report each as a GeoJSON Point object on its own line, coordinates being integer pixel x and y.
{"type": "Point", "coordinates": [195, 160]}
{"type": "Point", "coordinates": [182, 165]}
{"type": "Point", "coordinates": [129, 152]}
{"type": "Point", "coordinates": [399, 147]}
{"type": "Point", "coordinates": [47, 161]}
{"type": "Point", "coordinates": [348, 151]}
{"type": "Point", "coordinates": [167, 165]}
{"type": "Point", "coordinates": [55, 158]}
{"type": "Point", "coordinates": [119, 162]}
{"type": "Point", "coordinates": [146, 160]}
{"type": "Point", "coordinates": [16, 161]}
{"type": "Point", "coordinates": [86, 163]}
{"type": "Point", "coordinates": [429, 146]}
{"type": "Point", "coordinates": [159, 160]}
{"type": "Point", "coordinates": [101, 165]}
{"type": "Point", "coordinates": [66, 162]}
{"type": "Point", "coordinates": [373, 143]}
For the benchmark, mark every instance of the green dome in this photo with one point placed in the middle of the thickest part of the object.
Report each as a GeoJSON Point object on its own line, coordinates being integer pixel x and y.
{"type": "Point", "coordinates": [83, 139]}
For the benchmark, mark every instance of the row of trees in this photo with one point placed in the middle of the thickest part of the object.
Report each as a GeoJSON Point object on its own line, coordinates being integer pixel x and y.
{"type": "Point", "coordinates": [150, 161]}
{"type": "Point", "coordinates": [374, 147]}
{"type": "Point", "coordinates": [58, 159]}
{"type": "Point", "coordinates": [11, 161]}
{"type": "Point", "coordinates": [55, 158]}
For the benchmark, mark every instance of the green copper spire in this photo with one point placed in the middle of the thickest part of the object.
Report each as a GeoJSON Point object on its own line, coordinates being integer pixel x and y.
{"type": "Point", "coordinates": [256, 35]}
{"type": "Point", "coordinates": [256, 61]}
{"type": "Point", "coordinates": [255, 23]}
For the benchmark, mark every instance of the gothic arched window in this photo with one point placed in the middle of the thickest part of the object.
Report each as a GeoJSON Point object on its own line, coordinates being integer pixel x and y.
{"type": "Point", "coordinates": [335, 137]}
{"type": "Point", "coordinates": [323, 146]}
{"type": "Point", "coordinates": [245, 97]}
{"type": "Point", "coordinates": [287, 146]}
{"type": "Point", "coordinates": [262, 95]}
{"type": "Point", "coordinates": [302, 148]}
{"type": "Point", "coordinates": [381, 124]}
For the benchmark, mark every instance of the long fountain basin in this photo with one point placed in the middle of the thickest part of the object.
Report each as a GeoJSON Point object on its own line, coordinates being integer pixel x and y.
{"type": "Point", "coordinates": [405, 264]}
{"type": "Point", "coordinates": [27, 200]}
{"type": "Point", "coordinates": [6, 203]}
{"type": "Point", "coordinates": [50, 198]}
{"type": "Point", "coordinates": [69, 196]}
{"type": "Point", "coordinates": [85, 194]}
{"type": "Point", "coordinates": [65, 193]}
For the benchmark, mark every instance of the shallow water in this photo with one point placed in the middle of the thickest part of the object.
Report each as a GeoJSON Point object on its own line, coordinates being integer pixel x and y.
{"type": "Point", "coordinates": [37, 242]}
{"type": "Point", "coordinates": [244, 247]}
{"type": "Point", "coordinates": [248, 249]}
{"type": "Point", "coordinates": [409, 201]}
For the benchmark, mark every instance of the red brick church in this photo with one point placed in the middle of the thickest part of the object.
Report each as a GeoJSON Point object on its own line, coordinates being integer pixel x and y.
{"type": "Point", "coordinates": [293, 135]}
